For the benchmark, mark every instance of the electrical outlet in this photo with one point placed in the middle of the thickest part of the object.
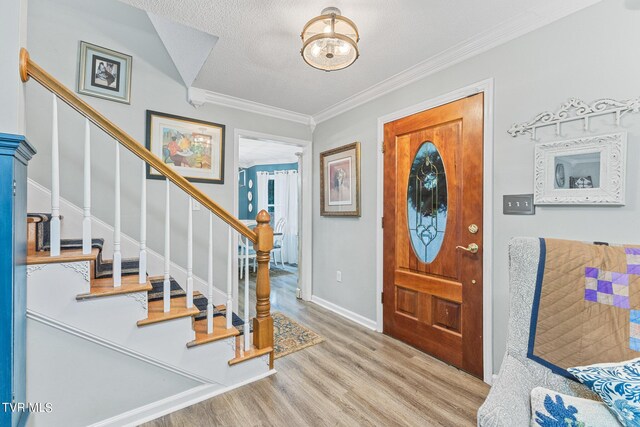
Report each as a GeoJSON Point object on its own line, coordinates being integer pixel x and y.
{"type": "Point", "coordinates": [196, 205]}
{"type": "Point", "coordinates": [339, 276]}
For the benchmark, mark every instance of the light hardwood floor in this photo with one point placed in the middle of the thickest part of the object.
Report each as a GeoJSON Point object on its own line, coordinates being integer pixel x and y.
{"type": "Point", "coordinates": [357, 377]}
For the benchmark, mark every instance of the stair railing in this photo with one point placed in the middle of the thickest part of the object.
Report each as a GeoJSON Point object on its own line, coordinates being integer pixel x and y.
{"type": "Point", "coordinates": [261, 236]}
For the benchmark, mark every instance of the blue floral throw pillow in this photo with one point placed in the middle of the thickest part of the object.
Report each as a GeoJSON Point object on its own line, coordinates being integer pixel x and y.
{"type": "Point", "coordinates": [618, 384]}
{"type": "Point", "coordinates": [552, 409]}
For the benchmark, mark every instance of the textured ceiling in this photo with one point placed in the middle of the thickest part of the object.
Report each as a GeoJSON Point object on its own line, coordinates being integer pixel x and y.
{"type": "Point", "coordinates": [257, 152]}
{"type": "Point", "coordinates": [257, 56]}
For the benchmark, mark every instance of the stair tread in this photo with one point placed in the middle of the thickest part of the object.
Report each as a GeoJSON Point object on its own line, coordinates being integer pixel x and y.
{"type": "Point", "coordinates": [68, 244]}
{"type": "Point", "coordinates": [220, 331]}
{"type": "Point", "coordinates": [129, 266]}
{"type": "Point", "coordinates": [104, 287]}
{"type": "Point", "coordinates": [178, 309]}
{"type": "Point", "coordinates": [66, 255]}
{"type": "Point", "coordinates": [36, 217]}
{"type": "Point", "coordinates": [157, 283]}
{"type": "Point", "coordinates": [252, 353]}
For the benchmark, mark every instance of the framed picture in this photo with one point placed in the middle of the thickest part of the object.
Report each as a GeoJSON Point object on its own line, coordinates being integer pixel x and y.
{"type": "Point", "coordinates": [582, 171]}
{"type": "Point", "coordinates": [194, 148]}
{"type": "Point", "coordinates": [104, 73]}
{"type": "Point", "coordinates": [340, 181]}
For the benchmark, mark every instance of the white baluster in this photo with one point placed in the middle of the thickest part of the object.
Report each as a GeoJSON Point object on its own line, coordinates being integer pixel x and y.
{"type": "Point", "coordinates": [117, 257]}
{"type": "Point", "coordinates": [54, 226]}
{"type": "Point", "coordinates": [247, 338]}
{"type": "Point", "coordinates": [166, 291]}
{"type": "Point", "coordinates": [86, 220]}
{"type": "Point", "coordinates": [190, 255]}
{"type": "Point", "coordinates": [231, 253]}
{"type": "Point", "coordinates": [210, 278]}
{"type": "Point", "coordinates": [142, 266]}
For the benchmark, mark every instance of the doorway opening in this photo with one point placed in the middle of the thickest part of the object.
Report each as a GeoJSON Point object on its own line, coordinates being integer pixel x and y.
{"type": "Point", "coordinates": [274, 174]}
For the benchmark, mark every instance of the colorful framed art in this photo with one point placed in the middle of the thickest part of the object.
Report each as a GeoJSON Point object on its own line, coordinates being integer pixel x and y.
{"type": "Point", "coordinates": [194, 148]}
{"type": "Point", "coordinates": [340, 181]}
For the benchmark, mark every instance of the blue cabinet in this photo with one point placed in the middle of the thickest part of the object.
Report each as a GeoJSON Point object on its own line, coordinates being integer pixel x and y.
{"type": "Point", "coordinates": [15, 153]}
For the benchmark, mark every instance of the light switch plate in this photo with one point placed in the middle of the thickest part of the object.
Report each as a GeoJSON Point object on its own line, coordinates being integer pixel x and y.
{"type": "Point", "coordinates": [518, 204]}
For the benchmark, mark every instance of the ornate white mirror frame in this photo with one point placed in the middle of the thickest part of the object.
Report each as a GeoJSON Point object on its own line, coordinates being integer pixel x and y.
{"type": "Point", "coordinates": [606, 155]}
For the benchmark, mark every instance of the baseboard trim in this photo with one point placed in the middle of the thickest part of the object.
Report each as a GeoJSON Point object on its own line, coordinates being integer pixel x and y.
{"type": "Point", "coordinates": [354, 317]}
{"type": "Point", "coordinates": [173, 403]}
{"type": "Point", "coordinates": [38, 317]}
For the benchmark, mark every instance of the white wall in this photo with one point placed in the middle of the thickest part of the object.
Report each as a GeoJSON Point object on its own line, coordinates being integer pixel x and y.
{"type": "Point", "coordinates": [590, 55]}
{"type": "Point", "coordinates": [13, 33]}
{"type": "Point", "coordinates": [70, 372]}
{"type": "Point", "coordinates": [55, 29]}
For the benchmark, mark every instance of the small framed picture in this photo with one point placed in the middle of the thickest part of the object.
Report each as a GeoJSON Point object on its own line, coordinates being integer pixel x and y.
{"type": "Point", "coordinates": [194, 148]}
{"type": "Point", "coordinates": [104, 73]}
{"type": "Point", "coordinates": [340, 181]}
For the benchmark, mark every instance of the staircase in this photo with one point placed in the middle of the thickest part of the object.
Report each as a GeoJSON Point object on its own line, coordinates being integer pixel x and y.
{"type": "Point", "coordinates": [101, 285]}
{"type": "Point", "coordinates": [74, 284]}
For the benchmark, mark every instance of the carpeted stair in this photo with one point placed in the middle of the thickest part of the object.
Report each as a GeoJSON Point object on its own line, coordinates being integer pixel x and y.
{"type": "Point", "coordinates": [199, 300]}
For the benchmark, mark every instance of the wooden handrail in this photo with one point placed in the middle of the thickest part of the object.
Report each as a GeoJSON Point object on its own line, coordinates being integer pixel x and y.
{"type": "Point", "coordinates": [28, 68]}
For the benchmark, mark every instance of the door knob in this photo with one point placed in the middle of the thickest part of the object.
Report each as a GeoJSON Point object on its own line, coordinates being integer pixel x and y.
{"type": "Point", "coordinates": [473, 248]}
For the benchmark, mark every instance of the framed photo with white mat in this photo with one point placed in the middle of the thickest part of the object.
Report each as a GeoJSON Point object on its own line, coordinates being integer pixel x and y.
{"type": "Point", "coordinates": [340, 181]}
{"type": "Point", "coordinates": [104, 73]}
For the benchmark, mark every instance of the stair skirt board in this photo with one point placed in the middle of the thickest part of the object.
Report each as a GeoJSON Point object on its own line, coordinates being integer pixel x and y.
{"type": "Point", "coordinates": [161, 407]}
{"type": "Point", "coordinates": [113, 346]}
{"type": "Point", "coordinates": [74, 214]}
{"type": "Point", "coordinates": [174, 403]}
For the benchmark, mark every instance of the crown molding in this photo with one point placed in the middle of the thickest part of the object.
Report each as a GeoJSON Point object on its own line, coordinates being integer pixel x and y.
{"type": "Point", "coordinates": [198, 97]}
{"type": "Point", "coordinates": [524, 23]}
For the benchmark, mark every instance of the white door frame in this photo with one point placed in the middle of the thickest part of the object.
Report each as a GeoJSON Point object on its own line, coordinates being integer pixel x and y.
{"type": "Point", "coordinates": [305, 235]}
{"type": "Point", "coordinates": [485, 86]}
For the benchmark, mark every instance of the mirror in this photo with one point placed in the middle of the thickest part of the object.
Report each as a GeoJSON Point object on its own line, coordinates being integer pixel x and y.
{"type": "Point", "coordinates": [577, 171]}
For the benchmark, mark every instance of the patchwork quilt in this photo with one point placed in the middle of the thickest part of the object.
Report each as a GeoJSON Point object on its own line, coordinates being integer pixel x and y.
{"type": "Point", "coordinates": [586, 307]}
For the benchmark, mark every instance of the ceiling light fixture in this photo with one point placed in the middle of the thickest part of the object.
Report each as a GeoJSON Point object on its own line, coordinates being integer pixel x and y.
{"type": "Point", "coordinates": [330, 41]}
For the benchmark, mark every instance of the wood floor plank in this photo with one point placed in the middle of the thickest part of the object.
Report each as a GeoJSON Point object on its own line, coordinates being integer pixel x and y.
{"type": "Point", "coordinates": [356, 377]}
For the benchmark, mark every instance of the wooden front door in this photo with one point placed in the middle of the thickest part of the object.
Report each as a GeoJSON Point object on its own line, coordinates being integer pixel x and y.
{"type": "Point", "coordinates": [433, 232]}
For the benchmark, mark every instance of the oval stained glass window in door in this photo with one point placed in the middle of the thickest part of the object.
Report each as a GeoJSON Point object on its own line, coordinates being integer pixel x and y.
{"type": "Point", "coordinates": [427, 202]}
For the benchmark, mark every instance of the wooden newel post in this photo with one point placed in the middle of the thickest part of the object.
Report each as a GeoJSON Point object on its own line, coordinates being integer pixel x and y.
{"type": "Point", "coordinates": [263, 323]}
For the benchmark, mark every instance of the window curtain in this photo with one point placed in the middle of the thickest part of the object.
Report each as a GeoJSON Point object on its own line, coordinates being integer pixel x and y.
{"type": "Point", "coordinates": [262, 185]}
{"type": "Point", "coordinates": [286, 206]}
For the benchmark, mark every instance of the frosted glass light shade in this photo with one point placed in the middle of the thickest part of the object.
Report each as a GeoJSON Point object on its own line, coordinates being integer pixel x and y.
{"type": "Point", "coordinates": [330, 41]}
